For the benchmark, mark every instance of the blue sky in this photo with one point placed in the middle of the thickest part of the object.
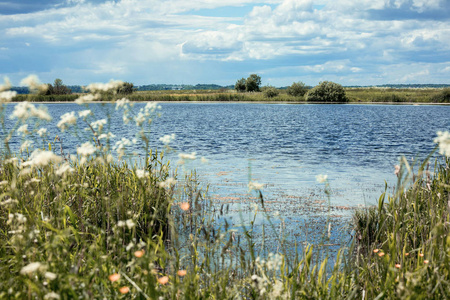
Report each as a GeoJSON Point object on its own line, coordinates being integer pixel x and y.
{"type": "Point", "coordinates": [364, 42]}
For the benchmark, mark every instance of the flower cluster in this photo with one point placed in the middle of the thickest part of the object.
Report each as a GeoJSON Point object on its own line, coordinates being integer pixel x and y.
{"type": "Point", "coordinates": [25, 110]}
{"type": "Point", "coordinates": [443, 140]}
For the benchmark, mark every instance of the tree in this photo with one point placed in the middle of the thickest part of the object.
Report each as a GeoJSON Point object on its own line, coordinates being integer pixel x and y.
{"type": "Point", "coordinates": [58, 88]}
{"type": "Point", "coordinates": [252, 83]}
{"type": "Point", "coordinates": [327, 91]}
{"type": "Point", "coordinates": [126, 89]}
{"type": "Point", "coordinates": [240, 85]}
{"type": "Point", "coordinates": [297, 89]}
{"type": "Point", "coordinates": [270, 91]}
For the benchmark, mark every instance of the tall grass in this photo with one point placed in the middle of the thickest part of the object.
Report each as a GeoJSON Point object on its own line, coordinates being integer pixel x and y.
{"type": "Point", "coordinates": [92, 227]}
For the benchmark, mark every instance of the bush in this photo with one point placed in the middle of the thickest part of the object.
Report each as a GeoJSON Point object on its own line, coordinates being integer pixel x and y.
{"type": "Point", "coordinates": [297, 89]}
{"type": "Point", "coordinates": [327, 91]}
{"type": "Point", "coordinates": [270, 91]}
{"type": "Point", "coordinates": [240, 85]}
{"type": "Point", "coordinates": [442, 97]}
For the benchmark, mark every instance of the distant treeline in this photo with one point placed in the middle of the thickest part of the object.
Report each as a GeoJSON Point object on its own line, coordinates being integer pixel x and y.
{"type": "Point", "coordinates": [168, 87]}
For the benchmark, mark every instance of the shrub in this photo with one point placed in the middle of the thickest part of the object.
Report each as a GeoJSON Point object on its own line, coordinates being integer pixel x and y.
{"type": "Point", "coordinates": [270, 91]}
{"type": "Point", "coordinates": [297, 89]}
{"type": "Point", "coordinates": [240, 85]}
{"type": "Point", "coordinates": [442, 97]}
{"type": "Point", "coordinates": [327, 91]}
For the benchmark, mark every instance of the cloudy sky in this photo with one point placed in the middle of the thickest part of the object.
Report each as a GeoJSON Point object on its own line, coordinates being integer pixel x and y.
{"type": "Point", "coordinates": [352, 42]}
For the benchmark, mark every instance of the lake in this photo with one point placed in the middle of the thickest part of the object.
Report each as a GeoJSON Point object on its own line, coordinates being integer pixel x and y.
{"type": "Point", "coordinates": [284, 147]}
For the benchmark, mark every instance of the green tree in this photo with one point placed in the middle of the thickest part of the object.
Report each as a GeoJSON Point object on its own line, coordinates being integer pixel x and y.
{"type": "Point", "coordinates": [253, 83]}
{"type": "Point", "coordinates": [126, 89]}
{"type": "Point", "coordinates": [297, 89]}
{"type": "Point", "coordinates": [327, 91]}
{"type": "Point", "coordinates": [58, 88]}
{"type": "Point", "coordinates": [240, 85]}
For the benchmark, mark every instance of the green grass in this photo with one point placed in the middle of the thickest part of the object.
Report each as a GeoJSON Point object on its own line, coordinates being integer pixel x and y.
{"type": "Point", "coordinates": [112, 229]}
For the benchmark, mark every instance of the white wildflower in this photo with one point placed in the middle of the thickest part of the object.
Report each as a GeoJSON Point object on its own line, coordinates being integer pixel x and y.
{"type": "Point", "coordinates": [142, 173]}
{"type": "Point", "coordinates": [25, 145]}
{"type": "Point", "coordinates": [98, 124]}
{"type": "Point", "coordinates": [66, 120]}
{"type": "Point", "coordinates": [25, 110]}
{"type": "Point", "coordinates": [4, 182]}
{"type": "Point", "coordinates": [12, 160]}
{"type": "Point", "coordinates": [139, 119]}
{"type": "Point", "coordinates": [87, 98]}
{"type": "Point", "coordinates": [7, 96]}
{"type": "Point", "coordinates": [23, 129]}
{"type": "Point", "coordinates": [122, 103]}
{"type": "Point", "coordinates": [50, 275]}
{"type": "Point", "coordinates": [63, 169]}
{"type": "Point", "coordinates": [168, 183]}
{"type": "Point", "coordinates": [167, 138]}
{"type": "Point", "coordinates": [9, 202]}
{"type": "Point", "coordinates": [86, 149]}
{"type": "Point", "coordinates": [396, 170]}
{"type": "Point", "coordinates": [204, 160]}
{"type": "Point", "coordinates": [130, 224]}
{"type": "Point", "coordinates": [51, 295]}
{"type": "Point", "coordinates": [109, 158]}
{"type": "Point", "coordinates": [42, 131]}
{"type": "Point", "coordinates": [31, 268]}
{"type": "Point", "coordinates": [84, 113]}
{"type": "Point", "coordinates": [121, 224]}
{"type": "Point", "coordinates": [108, 135]}
{"type": "Point", "coordinates": [443, 140]}
{"type": "Point", "coordinates": [32, 81]}
{"type": "Point", "coordinates": [253, 185]}
{"type": "Point", "coordinates": [6, 86]}
{"type": "Point", "coordinates": [321, 178]}
{"type": "Point", "coordinates": [134, 141]}
{"type": "Point", "coordinates": [41, 158]}
{"type": "Point", "coordinates": [112, 85]}
{"type": "Point", "coordinates": [129, 246]}
{"type": "Point", "coordinates": [187, 155]}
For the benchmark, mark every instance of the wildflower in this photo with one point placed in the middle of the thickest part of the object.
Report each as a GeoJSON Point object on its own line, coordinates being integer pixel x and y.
{"type": "Point", "coordinates": [66, 120]}
{"type": "Point", "coordinates": [42, 131]}
{"type": "Point", "coordinates": [121, 224]}
{"type": "Point", "coordinates": [6, 86]}
{"type": "Point", "coordinates": [84, 113]}
{"type": "Point", "coordinates": [184, 206]}
{"type": "Point", "coordinates": [114, 277]}
{"type": "Point", "coordinates": [86, 149]}
{"type": "Point", "coordinates": [121, 103]}
{"type": "Point", "coordinates": [163, 280]}
{"type": "Point", "coordinates": [124, 290]}
{"type": "Point", "coordinates": [87, 98]}
{"type": "Point", "coordinates": [25, 110]}
{"type": "Point", "coordinates": [181, 273]}
{"type": "Point", "coordinates": [397, 170]}
{"type": "Point", "coordinates": [32, 81]}
{"type": "Point", "coordinates": [99, 124]}
{"type": "Point", "coordinates": [443, 139]}
{"type": "Point", "coordinates": [31, 268]}
{"type": "Point", "coordinates": [112, 85]}
{"type": "Point", "coordinates": [168, 183]}
{"type": "Point", "coordinates": [321, 178]}
{"type": "Point", "coordinates": [203, 160]}
{"type": "Point", "coordinates": [139, 119]}
{"type": "Point", "coordinates": [139, 253]}
{"type": "Point", "coordinates": [142, 173]}
{"type": "Point", "coordinates": [25, 145]}
{"type": "Point", "coordinates": [406, 254]}
{"type": "Point", "coordinates": [51, 295]}
{"type": "Point", "coordinates": [167, 138]}
{"type": "Point", "coordinates": [421, 254]}
{"type": "Point", "coordinates": [7, 96]}
{"type": "Point", "coordinates": [398, 266]}
{"type": "Point", "coordinates": [9, 202]}
{"type": "Point", "coordinates": [50, 275]}
{"type": "Point", "coordinates": [23, 129]}
{"type": "Point", "coordinates": [130, 224]}
{"type": "Point", "coordinates": [63, 169]}
{"type": "Point", "coordinates": [40, 158]}
{"type": "Point", "coordinates": [108, 135]}
{"type": "Point", "coordinates": [381, 254]}
{"type": "Point", "coordinates": [253, 185]}
{"type": "Point", "coordinates": [376, 250]}
{"type": "Point", "coordinates": [191, 156]}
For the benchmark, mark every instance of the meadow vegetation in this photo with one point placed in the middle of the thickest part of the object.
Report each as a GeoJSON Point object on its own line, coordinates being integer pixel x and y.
{"type": "Point", "coordinates": [91, 224]}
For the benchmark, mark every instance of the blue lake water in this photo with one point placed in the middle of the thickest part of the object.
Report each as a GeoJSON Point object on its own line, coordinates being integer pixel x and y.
{"type": "Point", "coordinates": [284, 147]}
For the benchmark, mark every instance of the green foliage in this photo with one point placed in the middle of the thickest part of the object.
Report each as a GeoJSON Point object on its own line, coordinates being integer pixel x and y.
{"type": "Point", "coordinates": [240, 85]}
{"type": "Point", "coordinates": [297, 89]}
{"type": "Point", "coordinates": [253, 83]}
{"type": "Point", "coordinates": [327, 91]}
{"type": "Point", "coordinates": [270, 91]}
{"type": "Point", "coordinates": [58, 88]}
{"type": "Point", "coordinates": [442, 97]}
{"type": "Point", "coordinates": [126, 89]}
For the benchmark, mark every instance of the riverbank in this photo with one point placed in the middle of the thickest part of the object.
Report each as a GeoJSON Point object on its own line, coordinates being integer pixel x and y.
{"type": "Point", "coordinates": [355, 95]}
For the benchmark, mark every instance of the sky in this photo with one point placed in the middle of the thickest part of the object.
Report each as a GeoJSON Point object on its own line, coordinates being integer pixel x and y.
{"type": "Point", "coordinates": [363, 42]}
